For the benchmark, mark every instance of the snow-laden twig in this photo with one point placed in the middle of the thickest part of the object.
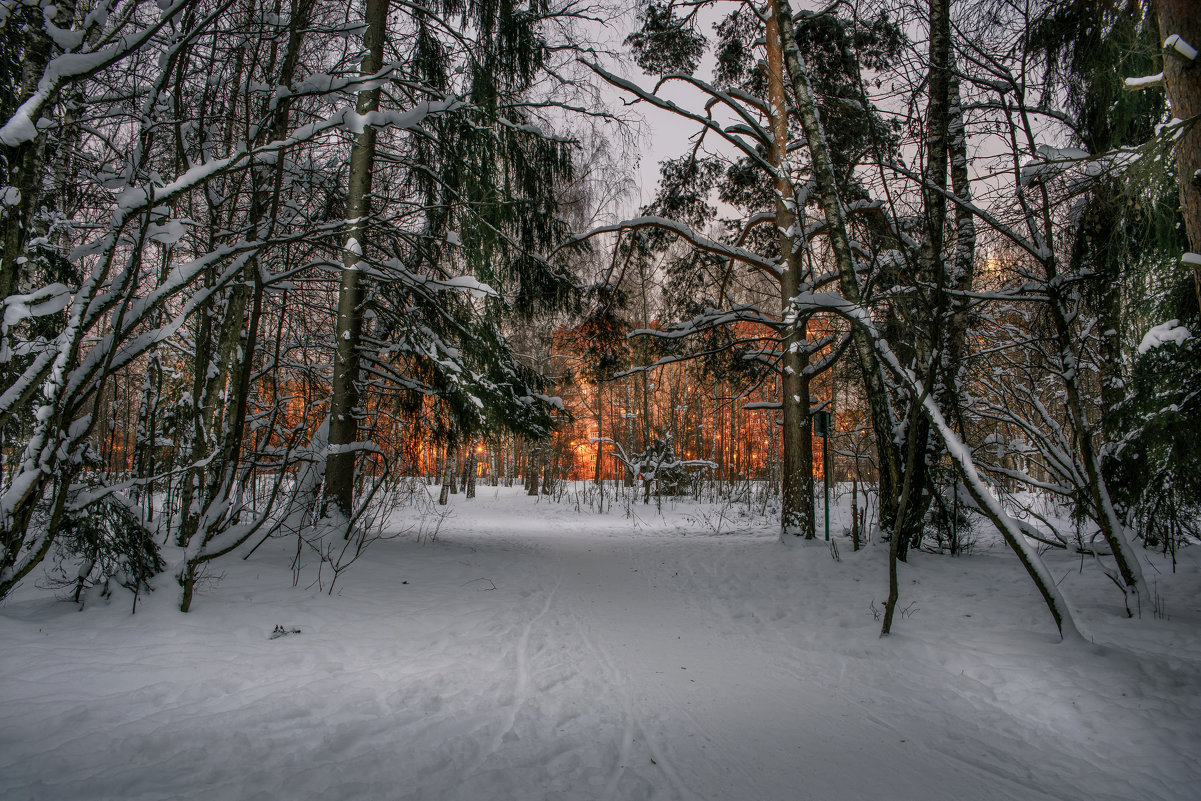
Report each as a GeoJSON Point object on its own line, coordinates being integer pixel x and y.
{"type": "Point", "coordinates": [1145, 82]}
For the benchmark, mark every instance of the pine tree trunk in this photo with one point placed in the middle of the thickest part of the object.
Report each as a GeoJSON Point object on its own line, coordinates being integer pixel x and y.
{"type": "Point", "coordinates": [502, 463]}
{"type": "Point", "coordinates": [550, 472]}
{"type": "Point", "coordinates": [1183, 81]}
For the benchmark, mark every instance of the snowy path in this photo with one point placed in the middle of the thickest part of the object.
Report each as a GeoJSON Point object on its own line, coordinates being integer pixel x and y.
{"type": "Point", "coordinates": [537, 653]}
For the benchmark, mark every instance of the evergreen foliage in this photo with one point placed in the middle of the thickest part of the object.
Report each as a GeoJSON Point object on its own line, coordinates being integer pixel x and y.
{"type": "Point", "coordinates": [662, 471]}
{"type": "Point", "coordinates": [105, 540]}
{"type": "Point", "coordinates": [666, 42]}
{"type": "Point", "coordinates": [1156, 463]}
{"type": "Point", "coordinates": [192, 251]}
{"type": "Point", "coordinates": [1127, 237]}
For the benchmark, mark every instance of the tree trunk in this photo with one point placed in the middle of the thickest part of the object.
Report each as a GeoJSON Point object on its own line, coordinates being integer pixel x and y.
{"type": "Point", "coordinates": [533, 470]}
{"type": "Point", "coordinates": [927, 334]}
{"type": "Point", "coordinates": [447, 473]}
{"type": "Point", "coordinates": [343, 428]}
{"type": "Point", "coordinates": [550, 472]}
{"type": "Point", "coordinates": [865, 345]}
{"type": "Point", "coordinates": [963, 274]}
{"type": "Point", "coordinates": [796, 506]}
{"type": "Point", "coordinates": [23, 162]}
{"type": "Point", "coordinates": [600, 446]}
{"type": "Point", "coordinates": [1183, 80]}
{"type": "Point", "coordinates": [823, 172]}
{"type": "Point", "coordinates": [505, 477]}
{"type": "Point", "coordinates": [855, 512]}
{"type": "Point", "coordinates": [630, 418]}
{"type": "Point", "coordinates": [469, 484]}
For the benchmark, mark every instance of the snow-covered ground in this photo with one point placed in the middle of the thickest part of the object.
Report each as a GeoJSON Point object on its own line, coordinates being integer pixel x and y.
{"type": "Point", "coordinates": [533, 651]}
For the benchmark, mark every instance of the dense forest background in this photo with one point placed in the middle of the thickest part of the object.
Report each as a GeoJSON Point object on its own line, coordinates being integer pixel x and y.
{"type": "Point", "coordinates": [268, 266]}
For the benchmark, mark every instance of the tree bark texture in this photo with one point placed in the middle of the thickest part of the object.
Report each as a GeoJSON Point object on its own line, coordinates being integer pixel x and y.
{"type": "Point", "coordinates": [22, 163]}
{"type": "Point", "coordinates": [926, 325]}
{"type": "Point", "coordinates": [534, 470]}
{"type": "Point", "coordinates": [963, 274]}
{"type": "Point", "coordinates": [840, 242]}
{"type": "Point", "coordinates": [343, 427]}
{"type": "Point", "coordinates": [865, 348]}
{"type": "Point", "coordinates": [1183, 80]}
{"type": "Point", "coordinates": [224, 376]}
{"type": "Point", "coordinates": [796, 508]}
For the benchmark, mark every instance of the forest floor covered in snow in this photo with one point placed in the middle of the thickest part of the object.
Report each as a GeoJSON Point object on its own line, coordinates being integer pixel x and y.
{"type": "Point", "coordinates": [531, 651]}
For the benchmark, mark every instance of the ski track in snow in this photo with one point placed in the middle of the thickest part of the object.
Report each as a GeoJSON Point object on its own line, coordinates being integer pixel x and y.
{"type": "Point", "coordinates": [537, 652]}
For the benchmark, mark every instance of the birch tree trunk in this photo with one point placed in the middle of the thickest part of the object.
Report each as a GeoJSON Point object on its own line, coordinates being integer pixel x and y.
{"type": "Point", "coordinates": [823, 172]}
{"type": "Point", "coordinates": [796, 507]}
{"type": "Point", "coordinates": [447, 477]}
{"type": "Point", "coordinates": [963, 273]}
